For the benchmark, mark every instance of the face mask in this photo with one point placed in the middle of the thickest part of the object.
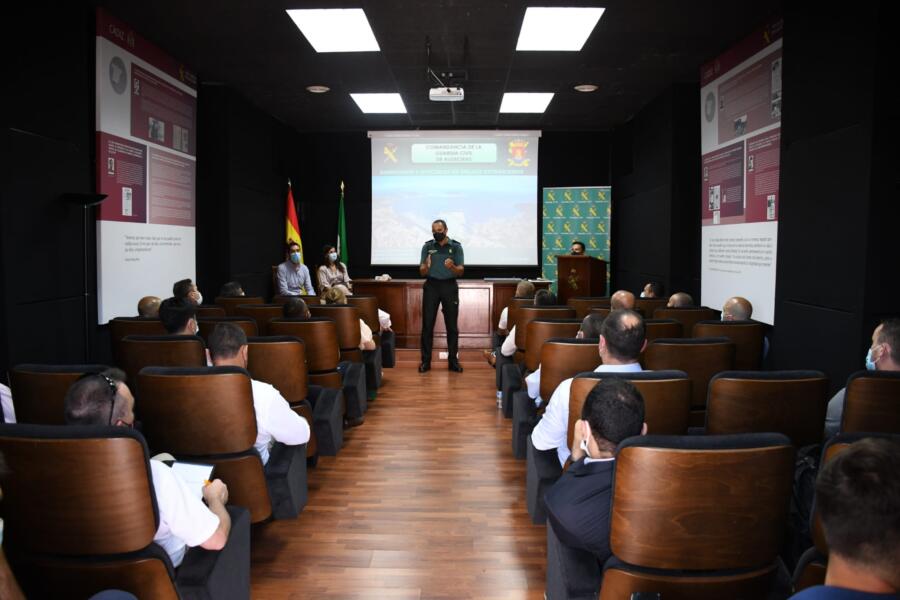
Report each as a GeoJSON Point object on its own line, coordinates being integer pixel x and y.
{"type": "Point", "coordinates": [584, 448]}
{"type": "Point", "coordinates": [722, 317]}
{"type": "Point", "coordinates": [332, 257]}
{"type": "Point", "coordinates": [295, 258]}
{"type": "Point", "coordinates": [199, 297]}
{"type": "Point", "coordinates": [439, 236]}
{"type": "Point", "coordinates": [870, 364]}
{"type": "Point", "coordinates": [196, 328]}
{"type": "Point", "coordinates": [643, 294]}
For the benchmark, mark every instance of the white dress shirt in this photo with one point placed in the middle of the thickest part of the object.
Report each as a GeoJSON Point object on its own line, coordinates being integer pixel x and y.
{"type": "Point", "coordinates": [552, 430]}
{"type": "Point", "coordinates": [509, 344]}
{"type": "Point", "coordinates": [533, 385]}
{"type": "Point", "coordinates": [384, 319]}
{"type": "Point", "coordinates": [504, 316]}
{"type": "Point", "coordinates": [6, 404]}
{"type": "Point", "coordinates": [275, 420]}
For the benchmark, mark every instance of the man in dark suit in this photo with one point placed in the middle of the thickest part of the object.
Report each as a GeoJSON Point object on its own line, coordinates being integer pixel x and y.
{"type": "Point", "coordinates": [578, 504]}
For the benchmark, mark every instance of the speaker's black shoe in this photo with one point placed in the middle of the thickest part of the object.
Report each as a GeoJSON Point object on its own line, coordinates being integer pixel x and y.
{"type": "Point", "coordinates": [425, 366]}
{"type": "Point", "coordinates": [455, 366]}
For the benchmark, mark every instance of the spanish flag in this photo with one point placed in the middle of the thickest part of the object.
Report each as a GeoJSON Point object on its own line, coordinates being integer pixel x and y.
{"type": "Point", "coordinates": [292, 225]}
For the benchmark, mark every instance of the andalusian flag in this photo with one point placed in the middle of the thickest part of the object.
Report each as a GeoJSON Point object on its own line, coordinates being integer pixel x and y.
{"type": "Point", "coordinates": [292, 225]}
{"type": "Point", "coordinates": [342, 230]}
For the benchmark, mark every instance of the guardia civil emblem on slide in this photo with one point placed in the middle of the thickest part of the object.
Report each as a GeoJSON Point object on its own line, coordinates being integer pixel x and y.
{"type": "Point", "coordinates": [518, 154]}
{"type": "Point", "coordinates": [390, 153]}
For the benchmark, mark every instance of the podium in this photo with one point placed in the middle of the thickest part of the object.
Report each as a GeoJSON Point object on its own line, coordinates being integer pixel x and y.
{"type": "Point", "coordinates": [579, 276]}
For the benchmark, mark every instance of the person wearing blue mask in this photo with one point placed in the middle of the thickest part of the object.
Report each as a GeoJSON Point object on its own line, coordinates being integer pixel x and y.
{"type": "Point", "coordinates": [333, 273]}
{"type": "Point", "coordinates": [883, 355]}
{"type": "Point", "coordinates": [293, 276]}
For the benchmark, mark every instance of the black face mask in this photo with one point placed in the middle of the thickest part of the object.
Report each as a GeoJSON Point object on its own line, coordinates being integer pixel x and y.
{"type": "Point", "coordinates": [439, 236]}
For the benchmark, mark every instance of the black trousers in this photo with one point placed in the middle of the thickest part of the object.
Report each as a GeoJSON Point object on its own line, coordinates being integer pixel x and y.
{"type": "Point", "coordinates": [446, 293]}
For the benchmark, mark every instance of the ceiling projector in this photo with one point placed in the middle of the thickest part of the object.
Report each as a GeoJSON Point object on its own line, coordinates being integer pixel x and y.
{"type": "Point", "coordinates": [446, 94]}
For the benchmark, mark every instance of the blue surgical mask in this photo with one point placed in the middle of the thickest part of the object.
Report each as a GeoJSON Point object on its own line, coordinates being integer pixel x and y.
{"type": "Point", "coordinates": [870, 364]}
{"type": "Point", "coordinates": [295, 258]}
{"type": "Point", "coordinates": [332, 256]}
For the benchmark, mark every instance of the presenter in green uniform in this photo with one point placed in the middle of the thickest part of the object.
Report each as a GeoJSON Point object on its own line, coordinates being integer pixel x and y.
{"type": "Point", "coordinates": [441, 263]}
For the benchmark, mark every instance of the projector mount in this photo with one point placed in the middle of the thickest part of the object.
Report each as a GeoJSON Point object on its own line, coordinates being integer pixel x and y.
{"type": "Point", "coordinates": [448, 87]}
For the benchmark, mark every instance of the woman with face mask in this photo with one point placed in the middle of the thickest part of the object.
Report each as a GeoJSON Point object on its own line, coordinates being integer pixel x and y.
{"type": "Point", "coordinates": [333, 273]}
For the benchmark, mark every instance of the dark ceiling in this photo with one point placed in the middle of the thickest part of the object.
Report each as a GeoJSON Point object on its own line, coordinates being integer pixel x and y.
{"type": "Point", "coordinates": [637, 50]}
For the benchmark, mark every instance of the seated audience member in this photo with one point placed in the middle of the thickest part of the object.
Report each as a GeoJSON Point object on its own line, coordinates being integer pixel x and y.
{"type": "Point", "coordinates": [179, 316]}
{"type": "Point", "coordinates": [858, 502]}
{"type": "Point", "coordinates": [148, 307]}
{"type": "Point", "coordinates": [336, 296]}
{"type": "Point", "coordinates": [295, 308]}
{"type": "Point", "coordinates": [883, 355]}
{"type": "Point", "coordinates": [590, 328]}
{"type": "Point", "coordinates": [187, 289]}
{"type": "Point", "coordinates": [6, 404]}
{"type": "Point", "coordinates": [524, 289]}
{"type": "Point", "coordinates": [622, 339]}
{"type": "Point", "coordinates": [680, 300]}
{"type": "Point", "coordinates": [541, 298]}
{"type": "Point", "coordinates": [578, 503]}
{"type": "Point", "coordinates": [737, 309]}
{"type": "Point", "coordinates": [232, 289]}
{"type": "Point", "coordinates": [622, 300]}
{"type": "Point", "coordinates": [577, 248]}
{"type": "Point", "coordinates": [275, 420]}
{"type": "Point", "coordinates": [652, 289]}
{"type": "Point", "coordinates": [104, 399]}
{"type": "Point", "coordinates": [292, 275]}
{"type": "Point", "coordinates": [333, 273]}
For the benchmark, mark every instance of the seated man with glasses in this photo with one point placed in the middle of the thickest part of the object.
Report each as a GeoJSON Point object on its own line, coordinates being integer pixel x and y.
{"type": "Point", "coordinates": [184, 521]}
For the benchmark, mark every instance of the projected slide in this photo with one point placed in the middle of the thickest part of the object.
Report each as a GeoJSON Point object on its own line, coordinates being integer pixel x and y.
{"type": "Point", "coordinates": [740, 131]}
{"type": "Point", "coordinates": [146, 165]}
{"type": "Point", "coordinates": [482, 183]}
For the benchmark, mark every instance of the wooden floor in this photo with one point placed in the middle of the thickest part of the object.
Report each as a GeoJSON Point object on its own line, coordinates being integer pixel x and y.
{"type": "Point", "coordinates": [424, 501]}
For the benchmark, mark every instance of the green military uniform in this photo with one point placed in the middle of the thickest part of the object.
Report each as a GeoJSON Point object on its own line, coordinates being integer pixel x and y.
{"type": "Point", "coordinates": [440, 289]}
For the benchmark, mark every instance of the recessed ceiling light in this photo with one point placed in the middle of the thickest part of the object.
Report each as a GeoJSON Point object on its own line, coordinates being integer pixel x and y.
{"type": "Point", "coordinates": [335, 29]}
{"type": "Point", "coordinates": [379, 103]}
{"type": "Point", "coordinates": [525, 102]}
{"type": "Point", "coordinates": [557, 28]}
{"type": "Point", "coordinates": [586, 87]}
{"type": "Point", "coordinates": [317, 89]}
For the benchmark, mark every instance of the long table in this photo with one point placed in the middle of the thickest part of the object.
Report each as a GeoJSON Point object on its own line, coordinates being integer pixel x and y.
{"type": "Point", "coordinates": [480, 304]}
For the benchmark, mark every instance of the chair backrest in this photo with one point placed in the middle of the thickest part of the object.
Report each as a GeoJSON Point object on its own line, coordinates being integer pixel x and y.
{"type": "Point", "coordinates": [122, 326]}
{"type": "Point", "coordinates": [319, 335]}
{"type": "Point", "coordinates": [688, 317]}
{"type": "Point", "coordinates": [208, 324]}
{"type": "Point", "coordinates": [368, 310]}
{"type": "Point", "coordinates": [648, 305]}
{"type": "Point", "coordinates": [530, 312]}
{"type": "Point", "coordinates": [562, 358]}
{"type": "Point", "coordinates": [872, 402]}
{"type": "Point", "coordinates": [139, 351]}
{"type": "Point", "coordinates": [701, 502]}
{"type": "Point", "coordinates": [281, 362]}
{"type": "Point", "coordinates": [603, 311]}
{"type": "Point", "coordinates": [662, 328]}
{"type": "Point", "coordinates": [207, 415]}
{"type": "Point", "coordinates": [229, 304]}
{"type": "Point", "coordinates": [210, 310]}
{"type": "Point", "coordinates": [788, 402]}
{"type": "Point", "coordinates": [666, 394]}
{"type": "Point", "coordinates": [747, 336]}
{"type": "Point", "coordinates": [700, 358]}
{"type": "Point", "coordinates": [261, 313]}
{"type": "Point", "coordinates": [541, 330]}
{"type": "Point", "coordinates": [40, 390]}
{"type": "Point", "coordinates": [76, 494]}
{"type": "Point", "coordinates": [346, 320]}
{"type": "Point", "coordinates": [512, 309]}
{"type": "Point", "coordinates": [309, 299]}
{"type": "Point", "coordinates": [584, 304]}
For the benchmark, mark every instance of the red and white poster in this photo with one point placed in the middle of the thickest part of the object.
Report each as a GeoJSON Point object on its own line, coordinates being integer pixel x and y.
{"type": "Point", "coordinates": [146, 165]}
{"type": "Point", "coordinates": [740, 128]}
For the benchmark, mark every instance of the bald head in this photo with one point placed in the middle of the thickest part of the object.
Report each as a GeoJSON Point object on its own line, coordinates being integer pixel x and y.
{"type": "Point", "coordinates": [149, 306]}
{"type": "Point", "coordinates": [737, 309]}
{"type": "Point", "coordinates": [680, 300]}
{"type": "Point", "coordinates": [622, 300]}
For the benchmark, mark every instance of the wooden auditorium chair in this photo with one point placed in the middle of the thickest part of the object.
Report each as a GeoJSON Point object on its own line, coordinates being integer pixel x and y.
{"type": "Point", "coordinates": [261, 313]}
{"type": "Point", "coordinates": [323, 360]}
{"type": "Point", "coordinates": [122, 326]}
{"type": "Point", "coordinates": [231, 303]}
{"type": "Point", "coordinates": [210, 310]}
{"type": "Point", "coordinates": [872, 402]}
{"type": "Point", "coordinates": [649, 305]}
{"type": "Point", "coordinates": [560, 359]}
{"type": "Point", "coordinates": [281, 361]}
{"type": "Point", "coordinates": [206, 415]}
{"type": "Point", "coordinates": [139, 351]}
{"type": "Point", "coordinates": [80, 515]}
{"type": "Point", "coordinates": [748, 337]}
{"type": "Point", "coordinates": [512, 311]}
{"type": "Point", "coordinates": [39, 391]}
{"type": "Point", "coordinates": [662, 328]}
{"type": "Point", "coordinates": [788, 402]}
{"type": "Point", "coordinates": [367, 305]}
{"type": "Point", "coordinates": [208, 324]}
{"type": "Point", "coordinates": [511, 371]}
{"type": "Point", "coordinates": [584, 304]}
{"type": "Point", "coordinates": [346, 319]}
{"type": "Point", "coordinates": [688, 317]}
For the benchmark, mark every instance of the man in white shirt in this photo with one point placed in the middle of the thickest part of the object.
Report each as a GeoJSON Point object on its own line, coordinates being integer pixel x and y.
{"type": "Point", "coordinates": [622, 339]}
{"type": "Point", "coordinates": [6, 404]}
{"type": "Point", "coordinates": [184, 521]}
{"type": "Point", "coordinates": [275, 420]}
